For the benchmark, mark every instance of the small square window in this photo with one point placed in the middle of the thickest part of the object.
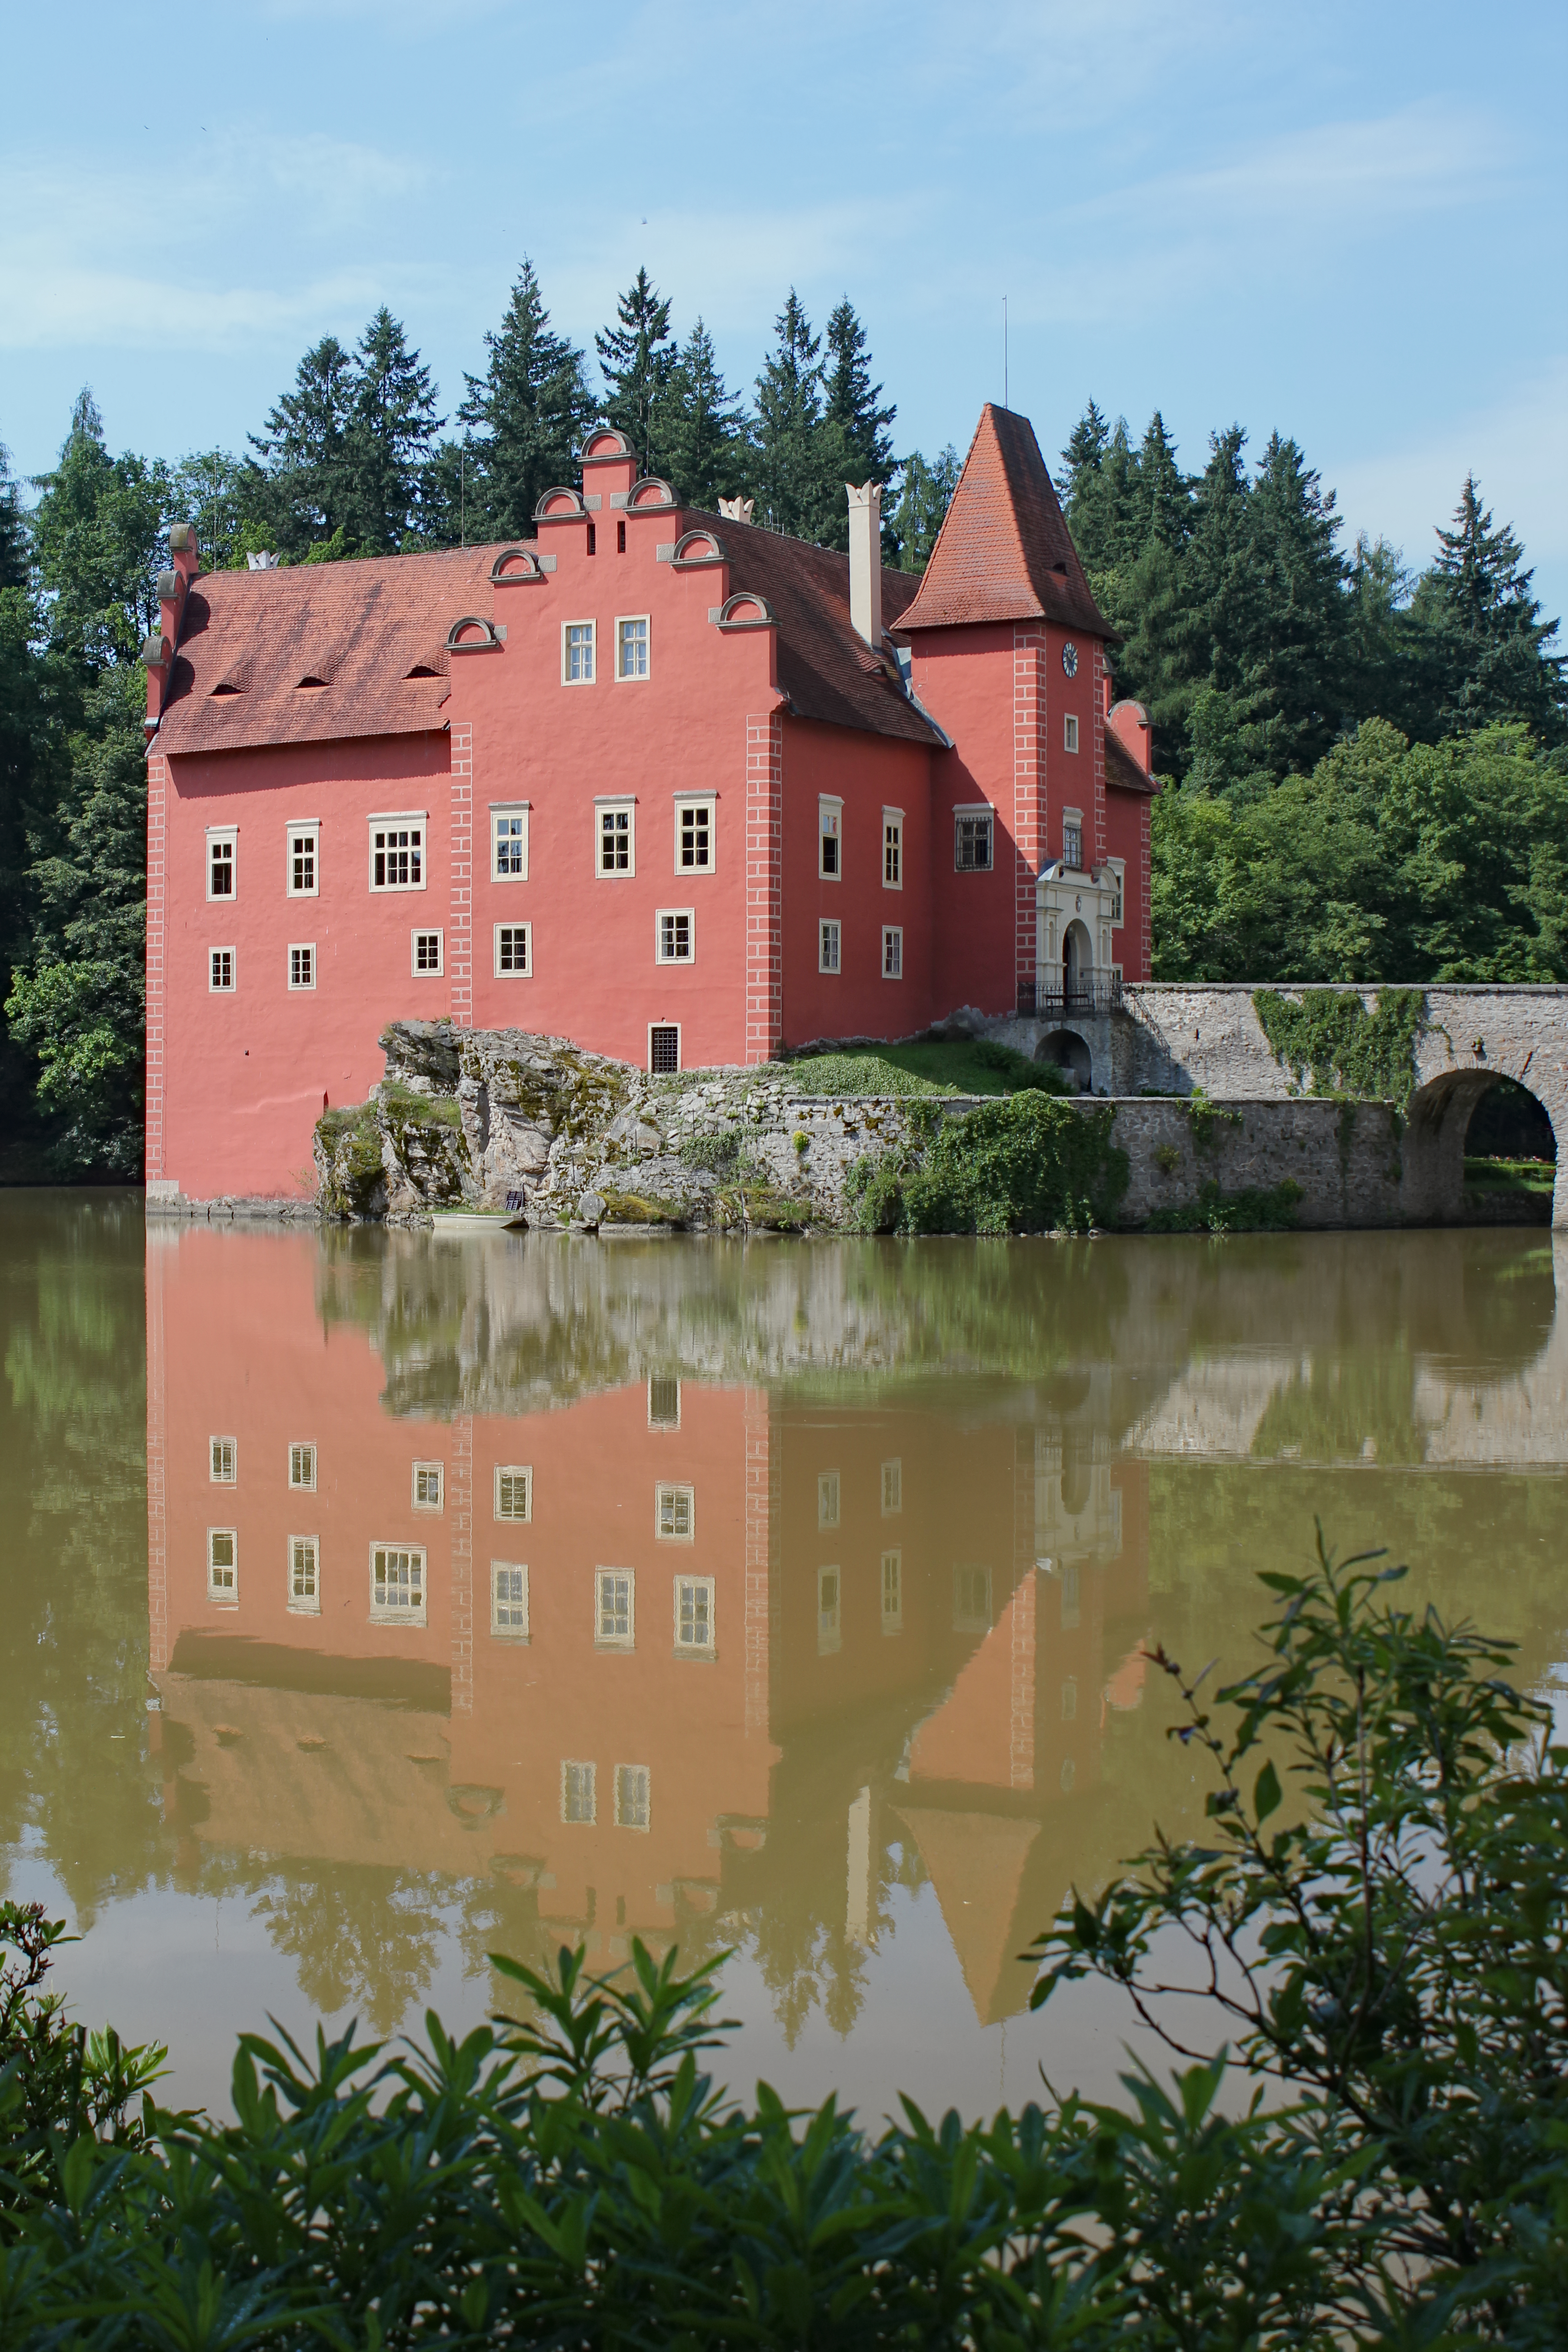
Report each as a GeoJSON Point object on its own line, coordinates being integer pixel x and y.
{"type": "Point", "coordinates": [302, 966]}
{"type": "Point", "coordinates": [427, 1483]}
{"type": "Point", "coordinates": [222, 848]}
{"type": "Point", "coordinates": [675, 1514]}
{"type": "Point", "coordinates": [893, 952]}
{"type": "Point", "coordinates": [514, 950]}
{"type": "Point", "coordinates": [663, 1403]}
{"type": "Point", "coordinates": [508, 1600]}
{"type": "Point", "coordinates": [892, 850]}
{"type": "Point", "coordinates": [223, 1460]}
{"type": "Point", "coordinates": [829, 943]}
{"type": "Point", "coordinates": [508, 845]}
{"type": "Point", "coordinates": [514, 1492]}
{"type": "Point", "coordinates": [829, 839]}
{"type": "Point", "coordinates": [220, 972]}
{"type": "Point", "coordinates": [424, 954]}
{"type": "Point", "coordinates": [223, 1565]}
{"type": "Point", "coordinates": [1072, 841]}
{"type": "Point", "coordinates": [971, 1600]}
{"type": "Point", "coordinates": [1069, 733]}
{"type": "Point", "coordinates": [828, 1583]}
{"type": "Point", "coordinates": [696, 828]}
{"type": "Point", "coordinates": [672, 936]}
{"type": "Point", "coordinates": [397, 1584]}
{"type": "Point", "coordinates": [302, 872]}
{"type": "Point", "coordinates": [632, 647]}
{"type": "Point", "coordinates": [973, 848]}
{"type": "Point", "coordinates": [617, 838]}
{"type": "Point", "coordinates": [302, 1468]}
{"type": "Point", "coordinates": [577, 652]}
{"type": "Point", "coordinates": [694, 1613]}
{"type": "Point", "coordinates": [664, 1047]}
{"type": "Point", "coordinates": [304, 1577]}
{"type": "Point", "coordinates": [892, 1592]}
{"type": "Point", "coordinates": [631, 1796]}
{"type": "Point", "coordinates": [577, 1793]}
{"type": "Point", "coordinates": [614, 1607]}
{"type": "Point", "coordinates": [828, 1498]}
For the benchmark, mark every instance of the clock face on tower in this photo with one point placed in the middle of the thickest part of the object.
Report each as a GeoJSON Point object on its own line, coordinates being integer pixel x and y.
{"type": "Point", "coordinates": [1070, 658]}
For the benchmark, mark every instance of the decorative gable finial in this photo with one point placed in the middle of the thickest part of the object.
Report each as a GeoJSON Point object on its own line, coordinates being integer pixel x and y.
{"type": "Point", "coordinates": [737, 509]}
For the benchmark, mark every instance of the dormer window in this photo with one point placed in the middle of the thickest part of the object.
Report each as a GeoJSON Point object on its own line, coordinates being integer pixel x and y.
{"type": "Point", "coordinates": [311, 682]}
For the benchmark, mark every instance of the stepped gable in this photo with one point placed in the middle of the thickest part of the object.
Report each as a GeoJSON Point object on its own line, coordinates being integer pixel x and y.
{"type": "Point", "coordinates": [1004, 552]}
{"type": "Point", "coordinates": [250, 639]}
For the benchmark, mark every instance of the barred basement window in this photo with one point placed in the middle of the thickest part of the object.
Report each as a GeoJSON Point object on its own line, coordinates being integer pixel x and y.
{"type": "Point", "coordinates": [696, 827]}
{"type": "Point", "coordinates": [223, 1460]}
{"type": "Point", "coordinates": [427, 1485]}
{"type": "Point", "coordinates": [397, 1584]}
{"type": "Point", "coordinates": [304, 852]}
{"type": "Point", "coordinates": [514, 1492]}
{"type": "Point", "coordinates": [664, 1047]}
{"type": "Point", "coordinates": [425, 956]}
{"type": "Point", "coordinates": [827, 1600]}
{"type": "Point", "coordinates": [694, 1613]}
{"type": "Point", "coordinates": [972, 841]}
{"type": "Point", "coordinates": [893, 1486]}
{"type": "Point", "coordinates": [828, 1498]}
{"type": "Point", "coordinates": [631, 1796]}
{"type": "Point", "coordinates": [675, 1513]}
{"type": "Point", "coordinates": [892, 1592]}
{"type": "Point", "coordinates": [577, 1793]}
{"type": "Point", "coordinates": [672, 935]}
{"type": "Point", "coordinates": [302, 1468]}
{"type": "Point", "coordinates": [614, 1607]}
{"type": "Point", "coordinates": [302, 966]}
{"type": "Point", "coordinates": [220, 972]}
{"type": "Point", "coordinates": [893, 952]}
{"type": "Point", "coordinates": [971, 1600]}
{"type": "Point", "coordinates": [632, 646]}
{"type": "Point", "coordinates": [617, 838]}
{"type": "Point", "coordinates": [1070, 734]}
{"type": "Point", "coordinates": [514, 950]}
{"type": "Point", "coordinates": [829, 941]}
{"type": "Point", "coordinates": [663, 1403]}
{"type": "Point", "coordinates": [397, 854]}
{"type": "Point", "coordinates": [223, 1565]}
{"type": "Point", "coordinates": [304, 1584]}
{"type": "Point", "coordinates": [221, 851]}
{"type": "Point", "coordinates": [508, 1600]}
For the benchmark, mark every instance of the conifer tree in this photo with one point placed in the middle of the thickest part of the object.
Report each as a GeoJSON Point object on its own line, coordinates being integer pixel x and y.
{"type": "Point", "coordinates": [306, 450]}
{"type": "Point", "coordinates": [1481, 631]}
{"type": "Point", "coordinates": [856, 443]}
{"type": "Point", "coordinates": [793, 489]}
{"type": "Point", "coordinates": [702, 431]}
{"type": "Point", "coordinates": [1081, 459]}
{"type": "Point", "coordinates": [1163, 491]}
{"type": "Point", "coordinates": [393, 423]}
{"type": "Point", "coordinates": [638, 358]}
{"type": "Point", "coordinates": [98, 539]}
{"type": "Point", "coordinates": [925, 493]}
{"type": "Point", "coordinates": [529, 411]}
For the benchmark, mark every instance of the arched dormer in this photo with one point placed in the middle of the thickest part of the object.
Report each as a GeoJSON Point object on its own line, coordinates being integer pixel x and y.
{"type": "Point", "coordinates": [515, 563]}
{"type": "Point", "coordinates": [746, 610]}
{"type": "Point", "coordinates": [562, 504]}
{"type": "Point", "coordinates": [697, 548]}
{"type": "Point", "coordinates": [649, 495]}
{"type": "Point", "coordinates": [607, 445]}
{"type": "Point", "coordinates": [472, 635]}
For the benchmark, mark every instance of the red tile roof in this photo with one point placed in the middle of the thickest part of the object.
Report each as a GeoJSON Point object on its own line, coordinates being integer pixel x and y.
{"type": "Point", "coordinates": [1121, 769]}
{"type": "Point", "coordinates": [1004, 552]}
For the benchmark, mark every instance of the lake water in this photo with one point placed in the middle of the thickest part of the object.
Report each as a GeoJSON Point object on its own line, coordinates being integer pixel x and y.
{"type": "Point", "coordinates": [376, 1601]}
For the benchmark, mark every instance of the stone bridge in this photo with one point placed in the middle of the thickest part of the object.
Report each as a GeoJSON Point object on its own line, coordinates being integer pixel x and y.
{"type": "Point", "coordinates": [1180, 1040]}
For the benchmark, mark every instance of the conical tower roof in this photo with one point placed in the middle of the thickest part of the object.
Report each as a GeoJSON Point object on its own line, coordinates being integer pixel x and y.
{"type": "Point", "coordinates": [1004, 552]}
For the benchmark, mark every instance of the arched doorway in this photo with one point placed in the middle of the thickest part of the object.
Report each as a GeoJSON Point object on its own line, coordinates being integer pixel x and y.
{"type": "Point", "coordinates": [1077, 968]}
{"type": "Point", "coordinates": [1069, 1052]}
{"type": "Point", "coordinates": [1478, 1148]}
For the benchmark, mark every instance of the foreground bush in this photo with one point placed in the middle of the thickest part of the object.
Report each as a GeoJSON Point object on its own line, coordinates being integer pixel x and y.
{"type": "Point", "coordinates": [1392, 1957]}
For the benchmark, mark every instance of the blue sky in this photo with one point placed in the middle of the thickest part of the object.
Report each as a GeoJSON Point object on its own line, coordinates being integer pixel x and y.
{"type": "Point", "coordinates": [1346, 221]}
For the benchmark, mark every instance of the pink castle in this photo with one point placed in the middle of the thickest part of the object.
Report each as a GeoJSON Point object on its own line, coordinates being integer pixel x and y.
{"type": "Point", "coordinates": [663, 783]}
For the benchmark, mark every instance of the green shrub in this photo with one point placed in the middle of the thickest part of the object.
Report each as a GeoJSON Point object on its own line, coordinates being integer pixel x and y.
{"type": "Point", "coordinates": [980, 1067]}
{"type": "Point", "coordinates": [718, 1150]}
{"type": "Point", "coordinates": [1027, 1164]}
{"type": "Point", "coordinates": [1254, 1210]}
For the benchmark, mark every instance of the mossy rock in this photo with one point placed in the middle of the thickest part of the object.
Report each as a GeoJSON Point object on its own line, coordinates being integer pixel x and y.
{"type": "Point", "coordinates": [634, 1209]}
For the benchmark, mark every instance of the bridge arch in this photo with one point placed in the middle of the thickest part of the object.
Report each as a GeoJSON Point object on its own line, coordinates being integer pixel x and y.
{"type": "Point", "coordinates": [1070, 1053]}
{"type": "Point", "coordinates": [1438, 1120]}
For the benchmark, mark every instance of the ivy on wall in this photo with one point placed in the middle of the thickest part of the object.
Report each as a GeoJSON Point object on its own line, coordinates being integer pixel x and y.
{"type": "Point", "coordinates": [1328, 1034]}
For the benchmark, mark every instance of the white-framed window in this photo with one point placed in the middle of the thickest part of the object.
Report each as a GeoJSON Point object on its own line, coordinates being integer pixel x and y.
{"type": "Point", "coordinates": [396, 1584]}
{"type": "Point", "coordinates": [893, 952]}
{"type": "Point", "coordinates": [632, 646]}
{"type": "Point", "coordinates": [1072, 838]}
{"type": "Point", "coordinates": [663, 1402]}
{"type": "Point", "coordinates": [1118, 889]}
{"type": "Point", "coordinates": [694, 1614]}
{"type": "Point", "coordinates": [829, 838]}
{"type": "Point", "coordinates": [223, 1461]}
{"type": "Point", "coordinates": [674, 935]}
{"type": "Point", "coordinates": [303, 964]}
{"type": "Point", "coordinates": [617, 831]}
{"type": "Point", "coordinates": [576, 653]}
{"type": "Point", "coordinates": [302, 862]}
{"type": "Point", "coordinates": [829, 946]}
{"type": "Point", "coordinates": [696, 834]}
{"type": "Point", "coordinates": [429, 1481]}
{"type": "Point", "coordinates": [893, 1486]}
{"type": "Point", "coordinates": [508, 1600]}
{"type": "Point", "coordinates": [892, 850]}
{"type": "Point", "coordinates": [974, 840]}
{"type": "Point", "coordinates": [632, 1791]}
{"type": "Point", "coordinates": [514, 1492]}
{"type": "Point", "coordinates": [577, 1796]}
{"type": "Point", "coordinates": [426, 958]}
{"type": "Point", "coordinates": [302, 1468]}
{"type": "Point", "coordinates": [614, 1607]}
{"type": "Point", "coordinates": [892, 1592]}
{"type": "Point", "coordinates": [828, 1498]}
{"type": "Point", "coordinates": [397, 847]}
{"type": "Point", "coordinates": [675, 1514]}
{"type": "Point", "coordinates": [304, 1576]}
{"type": "Point", "coordinates": [222, 1566]}
{"type": "Point", "coordinates": [223, 859]}
{"type": "Point", "coordinates": [664, 1046]}
{"type": "Point", "coordinates": [1069, 733]}
{"type": "Point", "coordinates": [970, 1599]}
{"type": "Point", "coordinates": [220, 972]}
{"type": "Point", "coordinates": [508, 841]}
{"type": "Point", "coordinates": [829, 1598]}
{"type": "Point", "coordinates": [514, 950]}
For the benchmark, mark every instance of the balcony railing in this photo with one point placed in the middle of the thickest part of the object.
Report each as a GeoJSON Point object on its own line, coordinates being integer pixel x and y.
{"type": "Point", "coordinates": [1046, 1000]}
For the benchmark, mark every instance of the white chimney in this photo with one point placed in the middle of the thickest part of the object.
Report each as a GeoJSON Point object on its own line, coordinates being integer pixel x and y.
{"type": "Point", "coordinates": [866, 561]}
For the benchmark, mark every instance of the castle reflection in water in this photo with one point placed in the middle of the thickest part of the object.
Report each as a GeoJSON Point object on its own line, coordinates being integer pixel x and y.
{"type": "Point", "coordinates": [703, 1597]}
